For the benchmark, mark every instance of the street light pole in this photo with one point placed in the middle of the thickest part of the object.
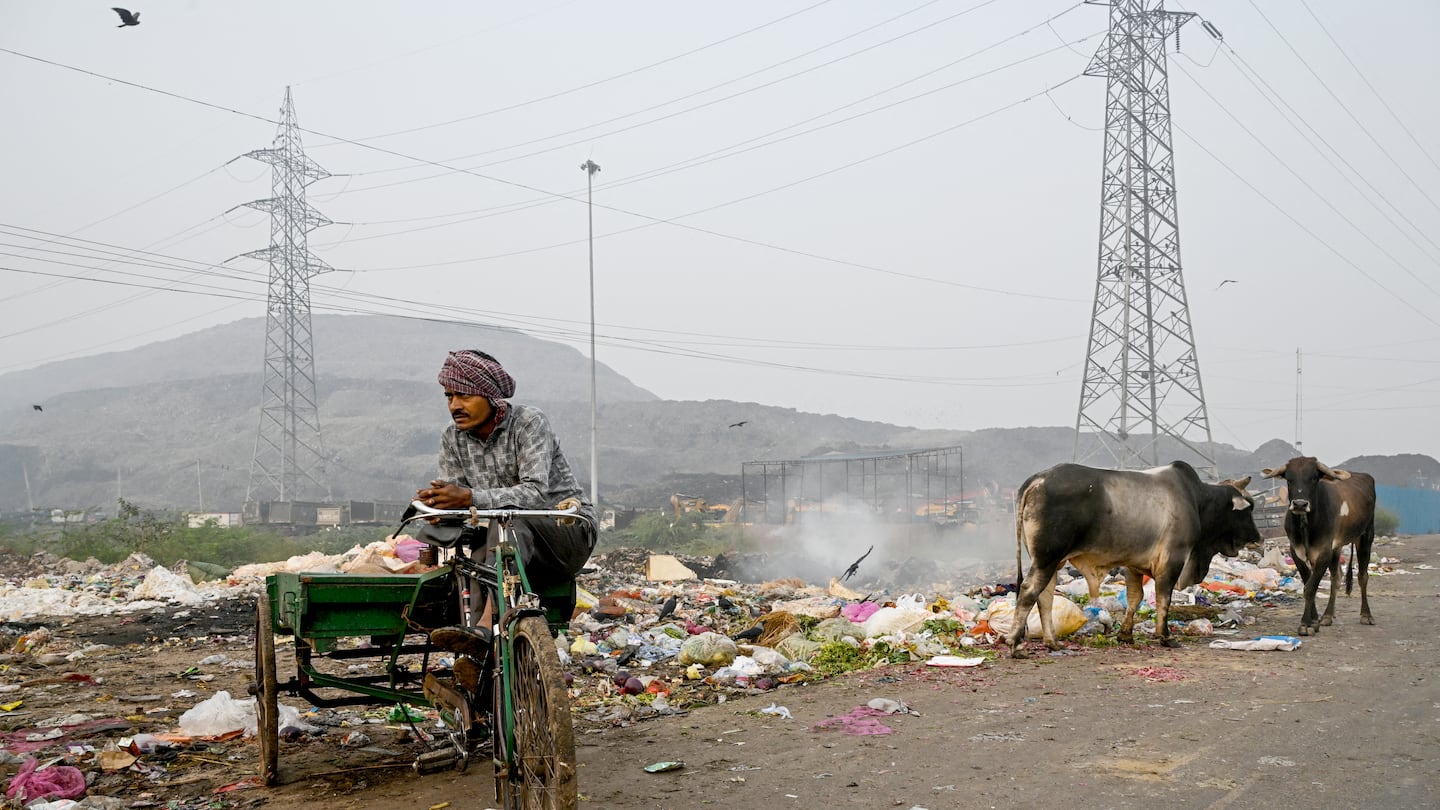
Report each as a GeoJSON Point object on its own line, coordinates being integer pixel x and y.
{"type": "Point", "coordinates": [590, 168]}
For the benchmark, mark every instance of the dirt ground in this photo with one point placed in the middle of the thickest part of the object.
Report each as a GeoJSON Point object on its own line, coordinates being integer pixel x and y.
{"type": "Point", "coordinates": [1349, 719]}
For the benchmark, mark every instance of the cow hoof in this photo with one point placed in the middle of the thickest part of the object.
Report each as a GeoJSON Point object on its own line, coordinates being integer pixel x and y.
{"type": "Point", "coordinates": [1306, 631]}
{"type": "Point", "coordinates": [1018, 652]}
{"type": "Point", "coordinates": [1328, 620]}
{"type": "Point", "coordinates": [1171, 643]}
{"type": "Point", "coordinates": [1367, 619]}
{"type": "Point", "coordinates": [1125, 639]}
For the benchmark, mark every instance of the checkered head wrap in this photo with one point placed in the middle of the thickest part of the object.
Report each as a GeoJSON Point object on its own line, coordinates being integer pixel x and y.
{"type": "Point", "coordinates": [475, 373]}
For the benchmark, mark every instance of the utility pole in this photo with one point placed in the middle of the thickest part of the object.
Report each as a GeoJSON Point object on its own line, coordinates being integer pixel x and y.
{"type": "Point", "coordinates": [1298, 412]}
{"type": "Point", "coordinates": [1142, 377]}
{"type": "Point", "coordinates": [289, 458]}
{"type": "Point", "coordinates": [590, 168]}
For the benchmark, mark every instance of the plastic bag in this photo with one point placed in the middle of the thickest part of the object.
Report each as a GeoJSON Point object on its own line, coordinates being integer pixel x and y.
{"type": "Point", "coordinates": [888, 621]}
{"type": "Point", "coordinates": [219, 714]}
{"type": "Point", "coordinates": [1066, 616]}
{"type": "Point", "coordinates": [710, 649]}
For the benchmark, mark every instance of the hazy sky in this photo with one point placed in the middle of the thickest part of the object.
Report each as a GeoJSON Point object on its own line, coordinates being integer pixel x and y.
{"type": "Point", "coordinates": [881, 210]}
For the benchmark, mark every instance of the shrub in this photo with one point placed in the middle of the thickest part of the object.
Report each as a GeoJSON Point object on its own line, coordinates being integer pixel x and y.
{"type": "Point", "coordinates": [1386, 522]}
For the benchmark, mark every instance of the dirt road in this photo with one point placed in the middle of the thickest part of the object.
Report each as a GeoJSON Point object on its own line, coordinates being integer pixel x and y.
{"type": "Point", "coordinates": [1350, 719]}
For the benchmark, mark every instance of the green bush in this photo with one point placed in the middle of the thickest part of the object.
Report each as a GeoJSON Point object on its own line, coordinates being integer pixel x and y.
{"type": "Point", "coordinates": [167, 539]}
{"type": "Point", "coordinates": [1386, 522]}
{"type": "Point", "coordinates": [687, 535]}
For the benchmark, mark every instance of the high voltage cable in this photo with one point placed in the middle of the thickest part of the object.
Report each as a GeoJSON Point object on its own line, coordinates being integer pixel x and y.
{"type": "Point", "coordinates": [650, 218]}
{"type": "Point", "coordinates": [610, 340]}
{"type": "Point", "coordinates": [691, 109]}
{"type": "Point", "coordinates": [1366, 80]}
{"type": "Point", "coordinates": [1346, 108]}
{"type": "Point", "coordinates": [1342, 257]}
{"type": "Point", "coordinates": [174, 263]}
{"type": "Point", "coordinates": [1306, 183]}
{"type": "Point", "coordinates": [595, 83]}
{"type": "Point", "coordinates": [1251, 75]}
{"type": "Point", "coordinates": [734, 149]}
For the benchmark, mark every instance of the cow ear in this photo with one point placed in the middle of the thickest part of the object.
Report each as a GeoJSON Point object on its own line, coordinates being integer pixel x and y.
{"type": "Point", "coordinates": [1242, 483]}
{"type": "Point", "coordinates": [1241, 503]}
{"type": "Point", "coordinates": [1275, 473]}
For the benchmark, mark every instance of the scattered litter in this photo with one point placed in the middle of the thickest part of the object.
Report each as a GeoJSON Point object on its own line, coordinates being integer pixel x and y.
{"type": "Point", "coordinates": [1282, 643]}
{"type": "Point", "coordinates": [859, 722]}
{"type": "Point", "coordinates": [778, 711]}
{"type": "Point", "coordinates": [956, 661]}
{"type": "Point", "coordinates": [1279, 762]}
{"type": "Point", "coordinates": [662, 767]}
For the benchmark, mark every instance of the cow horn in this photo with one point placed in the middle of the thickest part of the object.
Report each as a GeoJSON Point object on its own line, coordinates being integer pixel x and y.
{"type": "Point", "coordinates": [1329, 473]}
{"type": "Point", "coordinates": [1275, 473]}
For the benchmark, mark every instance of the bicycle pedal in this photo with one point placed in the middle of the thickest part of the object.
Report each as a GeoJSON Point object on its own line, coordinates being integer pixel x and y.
{"type": "Point", "coordinates": [433, 761]}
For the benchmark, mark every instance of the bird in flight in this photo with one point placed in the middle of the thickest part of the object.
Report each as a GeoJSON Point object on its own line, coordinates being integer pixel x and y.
{"type": "Point", "coordinates": [1226, 281]}
{"type": "Point", "coordinates": [37, 407]}
{"type": "Point", "coordinates": [855, 566]}
{"type": "Point", "coordinates": [127, 17]}
{"type": "Point", "coordinates": [740, 424]}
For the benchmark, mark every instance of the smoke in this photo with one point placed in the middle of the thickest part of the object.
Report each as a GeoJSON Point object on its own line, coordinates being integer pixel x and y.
{"type": "Point", "coordinates": [822, 542]}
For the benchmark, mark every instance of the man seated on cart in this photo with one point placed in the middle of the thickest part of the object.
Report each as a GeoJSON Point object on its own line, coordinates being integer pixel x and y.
{"type": "Point", "coordinates": [497, 454]}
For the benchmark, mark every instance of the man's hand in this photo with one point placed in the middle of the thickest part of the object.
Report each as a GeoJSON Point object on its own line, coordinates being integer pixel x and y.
{"type": "Point", "coordinates": [568, 503]}
{"type": "Point", "coordinates": [444, 495]}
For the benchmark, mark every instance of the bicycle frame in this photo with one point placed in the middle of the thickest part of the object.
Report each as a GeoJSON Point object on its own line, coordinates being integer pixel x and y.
{"type": "Point", "coordinates": [505, 587]}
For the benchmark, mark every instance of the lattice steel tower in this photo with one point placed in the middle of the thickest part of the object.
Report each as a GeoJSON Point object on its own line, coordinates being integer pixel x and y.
{"type": "Point", "coordinates": [289, 460]}
{"type": "Point", "coordinates": [1142, 378]}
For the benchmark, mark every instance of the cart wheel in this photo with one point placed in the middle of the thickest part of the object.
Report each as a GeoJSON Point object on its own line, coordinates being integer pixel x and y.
{"type": "Point", "coordinates": [267, 692]}
{"type": "Point", "coordinates": [542, 767]}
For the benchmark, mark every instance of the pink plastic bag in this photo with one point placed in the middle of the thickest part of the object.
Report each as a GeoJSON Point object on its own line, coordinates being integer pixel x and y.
{"type": "Point", "coordinates": [56, 781]}
{"type": "Point", "coordinates": [858, 612]}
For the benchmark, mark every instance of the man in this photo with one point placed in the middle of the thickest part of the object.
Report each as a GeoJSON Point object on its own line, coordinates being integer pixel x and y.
{"type": "Point", "coordinates": [497, 454]}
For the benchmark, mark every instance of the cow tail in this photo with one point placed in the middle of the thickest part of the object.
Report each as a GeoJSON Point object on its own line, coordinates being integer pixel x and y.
{"type": "Point", "coordinates": [1350, 568]}
{"type": "Point", "coordinates": [1019, 534]}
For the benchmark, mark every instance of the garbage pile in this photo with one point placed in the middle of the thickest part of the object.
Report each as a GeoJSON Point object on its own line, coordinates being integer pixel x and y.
{"type": "Point", "coordinates": [653, 635]}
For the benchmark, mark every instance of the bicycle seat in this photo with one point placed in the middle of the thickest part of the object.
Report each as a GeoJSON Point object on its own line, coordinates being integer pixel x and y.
{"type": "Point", "coordinates": [445, 533]}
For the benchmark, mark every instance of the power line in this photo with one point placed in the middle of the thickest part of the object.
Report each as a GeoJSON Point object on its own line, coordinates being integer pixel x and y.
{"type": "Point", "coordinates": [1363, 78]}
{"type": "Point", "coordinates": [1312, 234]}
{"type": "Point", "coordinates": [598, 82]}
{"type": "Point", "coordinates": [1346, 108]}
{"type": "Point", "coordinates": [650, 218]}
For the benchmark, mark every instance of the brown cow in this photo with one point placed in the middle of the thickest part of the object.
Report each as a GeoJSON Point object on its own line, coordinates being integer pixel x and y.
{"type": "Point", "coordinates": [1329, 509]}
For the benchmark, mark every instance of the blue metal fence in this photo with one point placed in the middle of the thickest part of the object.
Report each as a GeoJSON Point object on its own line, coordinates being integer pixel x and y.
{"type": "Point", "coordinates": [1418, 509]}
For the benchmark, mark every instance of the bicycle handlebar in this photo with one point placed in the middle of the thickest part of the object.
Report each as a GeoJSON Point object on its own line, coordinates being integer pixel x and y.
{"type": "Point", "coordinates": [424, 511]}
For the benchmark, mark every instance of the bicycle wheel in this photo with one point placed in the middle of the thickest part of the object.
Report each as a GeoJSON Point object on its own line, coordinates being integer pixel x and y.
{"type": "Point", "coordinates": [267, 692]}
{"type": "Point", "coordinates": [542, 767]}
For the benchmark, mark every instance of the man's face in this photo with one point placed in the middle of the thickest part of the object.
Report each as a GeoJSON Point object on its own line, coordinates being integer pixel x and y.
{"type": "Point", "coordinates": [468, 410]}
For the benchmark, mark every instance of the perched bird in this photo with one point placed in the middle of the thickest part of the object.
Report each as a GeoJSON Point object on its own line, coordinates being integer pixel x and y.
{"type": "Point", "coordinates": [126, 17]}
{"type": "Point", "coordinates": [37, 407]}
{"type": "Point", "coordinates": [666, 609]}
{"type": "Point", "coordinates": [740, 424]}
{"type": "Point", "coordinates": [855, 566]}
{"type": "Point", "coordinates": [724, 602]}
{"type": "Point", "coordinates": [1226, 281]}
{"type": "Point", "coordinates": [750, 634]}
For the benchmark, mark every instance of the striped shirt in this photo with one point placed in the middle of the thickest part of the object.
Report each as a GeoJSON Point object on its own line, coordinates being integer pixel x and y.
{"type": "Point", "coordinates": [520, 465]}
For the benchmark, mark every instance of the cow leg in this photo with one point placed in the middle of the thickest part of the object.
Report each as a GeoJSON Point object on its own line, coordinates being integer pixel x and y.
{"type": "Point", "coordinates": [1164, 586]}
{"type": "Point", "coordinates": [1329, 617]}
{"type": "Point", "coordinates": [1134, 595]}
{"type": "Point", "coordinates": [1362, 561]}
{"type": "Point", "coordinates": [1045, 604]}
{"type": "Point", "coordinates": [1037, 582]}
{"type": "Point", "coordinates": [1310, 617]}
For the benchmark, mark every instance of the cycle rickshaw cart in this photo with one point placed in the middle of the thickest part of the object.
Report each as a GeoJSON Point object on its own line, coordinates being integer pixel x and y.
{"type": "Point", "coordinates": [364, 639]}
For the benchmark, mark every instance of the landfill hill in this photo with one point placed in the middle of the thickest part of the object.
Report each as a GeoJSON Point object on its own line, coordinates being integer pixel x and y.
{"type": "Point", "coordinates": [173, 424]}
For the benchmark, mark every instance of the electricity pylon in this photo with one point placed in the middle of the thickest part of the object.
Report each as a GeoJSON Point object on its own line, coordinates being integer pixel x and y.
{"type": "Point", "coordinates": [1142, 377]}
{"type": "Point", "coordinates": [289, 460]}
